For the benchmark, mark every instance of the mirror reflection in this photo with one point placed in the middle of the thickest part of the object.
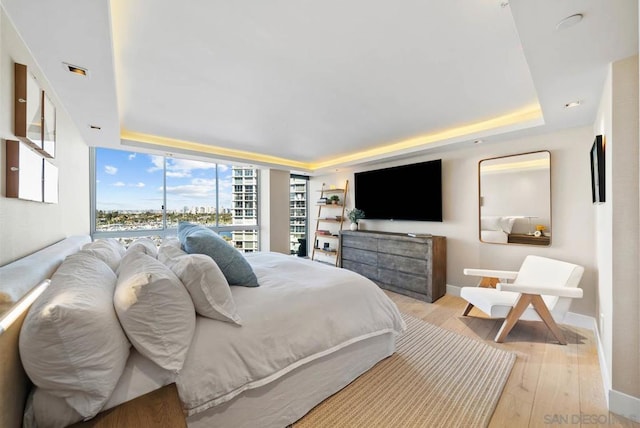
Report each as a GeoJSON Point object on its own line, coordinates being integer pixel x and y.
{"type": "Point", "coordinates": [515, 199]}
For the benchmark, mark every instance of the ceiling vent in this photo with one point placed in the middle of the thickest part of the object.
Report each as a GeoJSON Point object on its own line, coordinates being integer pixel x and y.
{"type": "Point", "coordinates": [569, 21]}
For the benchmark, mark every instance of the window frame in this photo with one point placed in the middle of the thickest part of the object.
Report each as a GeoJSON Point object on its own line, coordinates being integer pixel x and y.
{"type": "Point", "coordinates": [164, 231]}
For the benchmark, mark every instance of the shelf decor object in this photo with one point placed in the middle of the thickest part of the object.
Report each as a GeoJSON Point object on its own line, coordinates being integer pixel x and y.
{"type": "Point", "coordinates": [34, 113]}
{"type": "Point", "coordinates": [326, 241]}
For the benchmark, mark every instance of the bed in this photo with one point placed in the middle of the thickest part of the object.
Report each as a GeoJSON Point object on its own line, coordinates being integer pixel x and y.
{"type": "Point", "coordinates": [306, 331]}
{"type": "Point", "coordinates": [496, 229]}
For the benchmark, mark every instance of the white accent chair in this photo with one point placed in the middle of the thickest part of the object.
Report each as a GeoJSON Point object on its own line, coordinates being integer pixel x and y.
{"type": "Point", "coordinates": [541, 291]}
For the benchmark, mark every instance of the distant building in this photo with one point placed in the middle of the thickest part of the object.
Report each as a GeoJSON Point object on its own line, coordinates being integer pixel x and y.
{"type": "Point", "coordinates": [244, 210]}
{"type": "Point", "coordinates": [298, 212]}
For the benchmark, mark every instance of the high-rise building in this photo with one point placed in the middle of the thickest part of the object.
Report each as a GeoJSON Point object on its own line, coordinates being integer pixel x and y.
{"type": "Point", "coordinates": [298, 224]}
{"type": "Point", "coordinates": [244, 209]}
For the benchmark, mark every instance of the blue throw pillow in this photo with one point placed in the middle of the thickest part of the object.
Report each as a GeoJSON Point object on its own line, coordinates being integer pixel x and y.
{"type": "Point", "coordinates": [197, 239]}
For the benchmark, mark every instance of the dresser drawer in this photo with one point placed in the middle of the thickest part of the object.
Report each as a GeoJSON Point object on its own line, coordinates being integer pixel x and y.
{"type": "Point", "coordinates": [363, 243]}
{"type": "Point", "coordinates": [403, 264]}
{"type": "Point", "coordinates": [368, 271]}
{"type": "Point", "coordinates": [418, 250]}
{"type": "Point", "coordinates": [360, 256]}
{"type": "Point", "coordinates": [407, 281]}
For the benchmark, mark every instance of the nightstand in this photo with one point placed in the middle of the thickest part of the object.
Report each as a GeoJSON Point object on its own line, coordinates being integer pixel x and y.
{"type": "Point", "coordinates": [159, 408]}
{"type": "Point", "coordinates": [523, 238]}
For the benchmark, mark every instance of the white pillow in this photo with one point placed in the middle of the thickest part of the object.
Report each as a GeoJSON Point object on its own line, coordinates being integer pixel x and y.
{"type": "Point", "coordinates": [506, 223]}
{"type": "Point", "coordinates": [71, 343]}
{"type": "Point", "coordinates": [207, 286]}
{"type": "Point", "coordinates": [108, 250]}
{"type": "Point", "coordinates": [145, 245]}
{"type": "Point", "coordinates": [170, 250]}
{"type": "Point", "coordinates": [155, 310]}
{"type": "Point", "coordinates": [490, 223]}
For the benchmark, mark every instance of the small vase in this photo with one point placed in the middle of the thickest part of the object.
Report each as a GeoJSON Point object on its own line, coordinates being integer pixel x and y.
{"type": "Point", "coordinates": [354, 226]}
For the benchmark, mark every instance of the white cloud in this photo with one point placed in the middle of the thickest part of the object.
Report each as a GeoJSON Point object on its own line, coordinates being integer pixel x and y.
{"type": "Point", "coordinates": [205, 182]}
{"type": "Point", "coordinates": [111, 170]}
{"type": "Point", "coordinates": [178, 168]}
{"type": "Point", "coordinates": [199, 188]}
{"type": "Point", "coordinates": [182, 174]}
{"type": "Point", "coordinates": [140, 184]}
{"type": "Point", "coordinates": [132, 156]}
{"type": "Point", "coordinates": [119, 184]}
{"type": "Point", "coordinates": [158, 163]}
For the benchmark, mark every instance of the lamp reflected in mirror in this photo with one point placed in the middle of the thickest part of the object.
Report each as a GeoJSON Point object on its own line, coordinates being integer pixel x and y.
{"type": "Point", "coordinates": [515, 199]}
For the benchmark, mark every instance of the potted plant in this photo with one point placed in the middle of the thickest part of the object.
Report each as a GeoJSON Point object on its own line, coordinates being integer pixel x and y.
{"type": "Point", "coordinates": [334, 199]}
{"type": "Point", "coordinates": [355, 215]}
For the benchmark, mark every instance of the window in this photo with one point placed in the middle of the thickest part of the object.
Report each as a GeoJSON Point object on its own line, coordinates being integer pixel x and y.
{"type": "Point", "coordinates": [137, 194]}
{"type": "Point", "coordinates": [298, 214]}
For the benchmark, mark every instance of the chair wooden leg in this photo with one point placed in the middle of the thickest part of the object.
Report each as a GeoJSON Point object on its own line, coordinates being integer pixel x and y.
{"type": "Point", "coordinates": [467, 309]}
{"type": "Point", "coordinates": [513, 316]}
{"type": "Point", "coordinates": [543, 311]}
{"type": "Point", "coordinates": [486, 282]}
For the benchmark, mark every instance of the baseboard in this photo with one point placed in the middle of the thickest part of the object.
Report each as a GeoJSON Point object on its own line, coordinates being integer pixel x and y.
{"type": "Point", "coordinates": [604, 372]}
{"type": "Point", "coordinates": [624, 405]}
{"type": "Point", "coordinates": [453, 290]}
{"type": "Point", "coordinates": [582, 321]}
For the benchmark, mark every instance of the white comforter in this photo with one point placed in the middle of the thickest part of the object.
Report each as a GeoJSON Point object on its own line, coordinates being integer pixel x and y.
{"type": "Point", "coordinates": [302, 310]}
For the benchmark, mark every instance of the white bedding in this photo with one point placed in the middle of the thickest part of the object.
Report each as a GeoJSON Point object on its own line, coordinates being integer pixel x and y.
{"type": "Point", "coordinates": [301, 311]}
{"type": "Point", "coordinates": [496, 236]}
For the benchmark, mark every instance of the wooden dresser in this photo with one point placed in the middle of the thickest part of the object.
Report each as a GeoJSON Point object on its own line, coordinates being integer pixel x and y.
{"type": "Point", "coordinates": [413, 266]}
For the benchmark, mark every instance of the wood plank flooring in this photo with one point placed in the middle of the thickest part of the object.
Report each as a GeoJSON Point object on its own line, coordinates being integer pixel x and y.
{"type": "Point", "coordinates": [550, 385]}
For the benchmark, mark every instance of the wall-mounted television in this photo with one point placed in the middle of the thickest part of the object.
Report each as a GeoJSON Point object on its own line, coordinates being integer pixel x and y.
{"type": "Point", "coordinates": [406, 192]}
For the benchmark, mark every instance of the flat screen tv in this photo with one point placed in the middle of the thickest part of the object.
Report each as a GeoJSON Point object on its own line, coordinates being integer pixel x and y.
{"type": "Point", "coordinates": [407, 192]}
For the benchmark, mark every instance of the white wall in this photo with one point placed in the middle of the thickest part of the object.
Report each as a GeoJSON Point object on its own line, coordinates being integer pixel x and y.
{"type": "Point", "coordinates": [602, 231]}
{"type": "Point", "coordinates": [618, 237]}
{"type": "Point", "coordinates": [572, 212]}
{"type": "Point", "coordinates": [274, 210]}
{"type": "Point", "coordinates": [28, 226]}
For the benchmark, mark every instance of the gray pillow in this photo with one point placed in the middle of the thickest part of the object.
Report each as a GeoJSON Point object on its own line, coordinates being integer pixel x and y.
{"type": "Point", "coordinates": [197, 239]}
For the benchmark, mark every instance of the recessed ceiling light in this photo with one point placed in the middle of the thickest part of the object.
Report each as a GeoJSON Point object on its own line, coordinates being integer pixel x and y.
{"type": "Point", "coordinates": [96, 127]}
{"type": "Point", "coordinates": [569, 21]}
{"type": "Point", "coordinates": [572, 104]}
{"type": "Point", "coordinates": [76, 69]}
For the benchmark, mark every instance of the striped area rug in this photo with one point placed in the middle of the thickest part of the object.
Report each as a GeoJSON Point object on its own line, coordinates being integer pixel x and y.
{"type": "Point", "coordinates": [437, 378]}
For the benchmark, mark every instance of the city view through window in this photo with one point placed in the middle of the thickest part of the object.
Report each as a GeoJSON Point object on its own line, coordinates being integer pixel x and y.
{"type": "Point", "coordinates": [137, 193]}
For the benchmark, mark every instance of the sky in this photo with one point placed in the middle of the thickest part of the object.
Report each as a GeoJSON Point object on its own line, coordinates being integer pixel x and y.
{"type": "Point", "coordinates": [133, 181]}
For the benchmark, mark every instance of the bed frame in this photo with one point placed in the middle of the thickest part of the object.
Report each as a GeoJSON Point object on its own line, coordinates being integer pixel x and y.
{"type": "Point", "coordinates": [25, 274]}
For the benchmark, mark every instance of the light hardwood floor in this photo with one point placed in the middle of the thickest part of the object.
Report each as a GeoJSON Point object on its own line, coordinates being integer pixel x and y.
{"type": "Point", "coordinates": [551, 385]}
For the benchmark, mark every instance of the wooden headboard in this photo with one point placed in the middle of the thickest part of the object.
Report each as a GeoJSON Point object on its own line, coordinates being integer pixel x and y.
{"type": "Point", "coordinates": [24, 274]}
